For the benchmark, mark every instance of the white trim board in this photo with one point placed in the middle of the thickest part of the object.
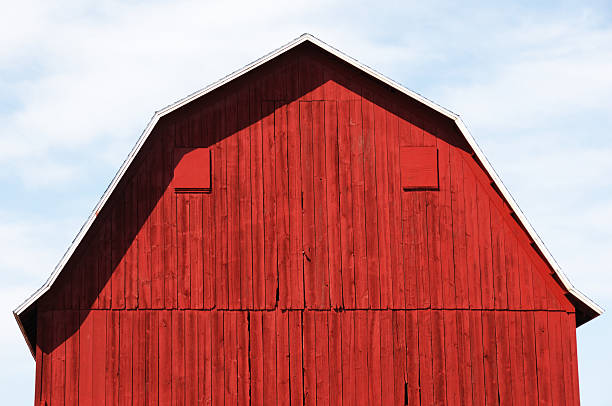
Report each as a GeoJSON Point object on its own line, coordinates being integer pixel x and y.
{"type": "Point", "coordinates": [581, 298]}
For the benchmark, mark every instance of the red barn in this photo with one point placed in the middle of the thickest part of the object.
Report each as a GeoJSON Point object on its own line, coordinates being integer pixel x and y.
{"type": "Point", "coordinates": [306, 231]}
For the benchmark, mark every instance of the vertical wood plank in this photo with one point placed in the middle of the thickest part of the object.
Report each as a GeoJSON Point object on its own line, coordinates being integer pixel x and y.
{"type": "Point", "coordinates": [409, 248]}
{"type": "Point", "coordinates": [86, 358]}
{"type": "Point", "coordinates": [112, 358]}
{"type": "Point", "coordinates": [433, 250]}
{"type": "Point", "coordinates": [151, 257]}
{"type": "Point", "coordinates": [58, 376]}
{"type": "Point", "coordinates": [512, 270]}
{"type": "Point", "coordinates": [244, 201]}
{"type": "Point", "coordinates": [90, 285]}
{"type": "Point", "coordinates": [269, 195]}
{"type": "Point", "coordinates": [196, 258]}
{"type": "Point", "coordinates": [104, 265]}
{"type": "Point", "coordinates": [574, 357]}
{"type": "Point", "coordinates": [139, 359]}
{"type": "Point", "coordinates": [131, 254]}
{"type": "Point", "coordinates": [504, 374]}
{"type": "Point", "coordinates": [320, 258]}
{"type": "Point", "coordinates": [361, 356]}
{"type": "Point", "coordinates": [231, 358]}
{"type": "Point", "coordinates": [233, 208]}
{"type": "Point", "coordinates": [408, 228]}
{"type": "Point", "coordinates": [471, 238]}
{"type": "Point", "coordinates": [182, 134]}
{"type": "Point", "coordinates": [98, 364]}
{"type": "Point", "coordinates": [566, 332]}
{"type": "Point", "coordinates": [71, 334]}
{"type": "Point", "coordinates": [73, 289]}
{"type": "Point", "coordinates": [451, 355]}
{"type": "Point", "coordinates": [399, 356]}
{"type": "Point", "coordinates": [39, 361]}
{"type": "Point", "coordinates": [282, 204]}
{"type": "Point", "coordinates": [371, 205]}
{"type": "Point", "coordinates": [374, 358]}
{"type": "Point", "coordinates": [484, 245]}
{"type": "Point", "coordinates": [282, 359]}
{"type": "Point", "coordinates": [556, 358]}
{"type": "Point", "coordinates": [191, 357]}
{"type": "Point", "coordinates": [221, 209]}
{"type": "Point", "coordinates": [308, 203]}
{"type": "Point", "coordinates": [147, 236]}
{"type": "Point", "coordinates": [499, 260]}
{"type": "Point", "coordinates": [335, 357]}
{"type": "Point", "coordinates": [169, 228]}
{"type": "Point", "coordinates": [242, 330]}
{"type": "Point", "coordinates": [516, 358]}
{"type": "Point", "coordinates": [346, 206]}
{"type": "Point", "coordinates": [333, 203]}
{"type": "Point", "coordinates": [152, 357]}
{"type": "Point", "coordinates": [310, 373]}
{"type": "Point", "coordinates": [257, 201]}
{"type": "Point", "coordinates": [183, 261]}
{"type": "Point", "coordinates": [438, 356]}
{"type": "Point", "coordinates": [126, 326]}
{"type": "Point", "coordinates": [349, 396]}
{"type": "Point", "coordinates": [540, 293]}
{"type": "Point", "coordinates": [529, 357]}
{"type": "Point", "coordinates": [449, 293]}
{"type": "Point", "coordinates": [46, 342]}
{"type": "Point", "coordinates": [525, 281]}
{"type": "Point", "coordinates": [85, 361]}
{"type": "Point", "coordinates": [257, 358]}
{"type": "Point", "coordinates": [490, 357]}
{"type": "Point", "coordinates": [165, 357]}
{"type": "Point", "coordinates": [423, 299]}
{"type": "Point", "coordinates": [382, 202]}
{"type": "Point", "coordinates": [412, 357]}
{"type": "Point", "coordinates": [322, 358]}
{"type": "Point", "coordinates": [295, 357]}
{"type": "Point", "coordinates": [269, 357]}
{"type": "Point", "coordinates": [426, 377]}
{"type": "Point", "coordinates": [218, 359]}
{"type": "Point", "coordinates": [477, 355]}
{"type": "Point", "coordinates": [117, 253]}
{"type": "Point", "coordinates": [209, 252]}
{"type": "Point", "coordinates": [386, 357]}
{"type": "Point", "coordinates": [358, 194]}
{"type": "Point", "coordinates": [543, 358]}
{"type": "Point", "coordinates": [460, 257]}
{"type": "Point", "coordinates": [296, 263]}
{"type": "Point", "coordinates": [205, 355]}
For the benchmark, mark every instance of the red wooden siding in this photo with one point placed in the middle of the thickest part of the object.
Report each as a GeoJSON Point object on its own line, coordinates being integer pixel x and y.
{"type": "Point", "coordinates": [312, 263]}
{"type": "Point", "coordinates": [269, 357]}
{"type": "Point", "coordinates": [240, 250]}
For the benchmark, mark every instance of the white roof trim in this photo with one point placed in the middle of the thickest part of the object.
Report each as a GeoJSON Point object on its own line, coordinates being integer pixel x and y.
{"type": "Point", "coordinates": [303, 38]}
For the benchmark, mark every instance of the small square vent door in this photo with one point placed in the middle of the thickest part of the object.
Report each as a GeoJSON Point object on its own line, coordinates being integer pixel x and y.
{"type": "Point", "coordinates": [419, 168]}
{"type": "Point", "coordinates": [192, 169]}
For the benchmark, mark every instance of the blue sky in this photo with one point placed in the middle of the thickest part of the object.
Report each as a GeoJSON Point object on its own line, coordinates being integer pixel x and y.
{"type": "Point", "coordinates": [80, 80]}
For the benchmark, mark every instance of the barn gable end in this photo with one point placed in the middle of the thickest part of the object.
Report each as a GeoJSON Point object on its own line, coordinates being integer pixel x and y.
{"type": "Point", "coordinates": [306, 207]}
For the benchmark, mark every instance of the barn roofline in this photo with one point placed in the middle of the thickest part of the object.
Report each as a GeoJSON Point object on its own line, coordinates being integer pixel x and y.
{"type": "Point", "coordinates": [580, 301]}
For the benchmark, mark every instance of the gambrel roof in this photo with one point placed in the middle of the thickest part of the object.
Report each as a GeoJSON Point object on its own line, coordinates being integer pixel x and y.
{"type": "Point", "coordinates": [25, 313]}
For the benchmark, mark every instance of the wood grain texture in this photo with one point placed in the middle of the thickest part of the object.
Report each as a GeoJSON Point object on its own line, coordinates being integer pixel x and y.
{"type": "Point", "coordinates": [307, 273]}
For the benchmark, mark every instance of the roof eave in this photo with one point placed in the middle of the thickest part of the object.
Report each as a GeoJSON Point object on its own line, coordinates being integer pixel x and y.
{"type": "Point", "coordinates": [23, 333]}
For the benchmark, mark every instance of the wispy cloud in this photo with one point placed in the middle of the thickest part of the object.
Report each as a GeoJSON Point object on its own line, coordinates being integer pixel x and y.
{"type": "Point", "coordinates": [80, 80]}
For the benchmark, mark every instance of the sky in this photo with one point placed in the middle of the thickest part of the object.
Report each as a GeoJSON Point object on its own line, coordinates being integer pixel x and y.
{"type": "Point", "coordinates": [79, 80]}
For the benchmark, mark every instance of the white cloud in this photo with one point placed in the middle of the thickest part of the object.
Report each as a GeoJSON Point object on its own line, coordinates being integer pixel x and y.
{"type": "Point", "coordinates": [82, 79]}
